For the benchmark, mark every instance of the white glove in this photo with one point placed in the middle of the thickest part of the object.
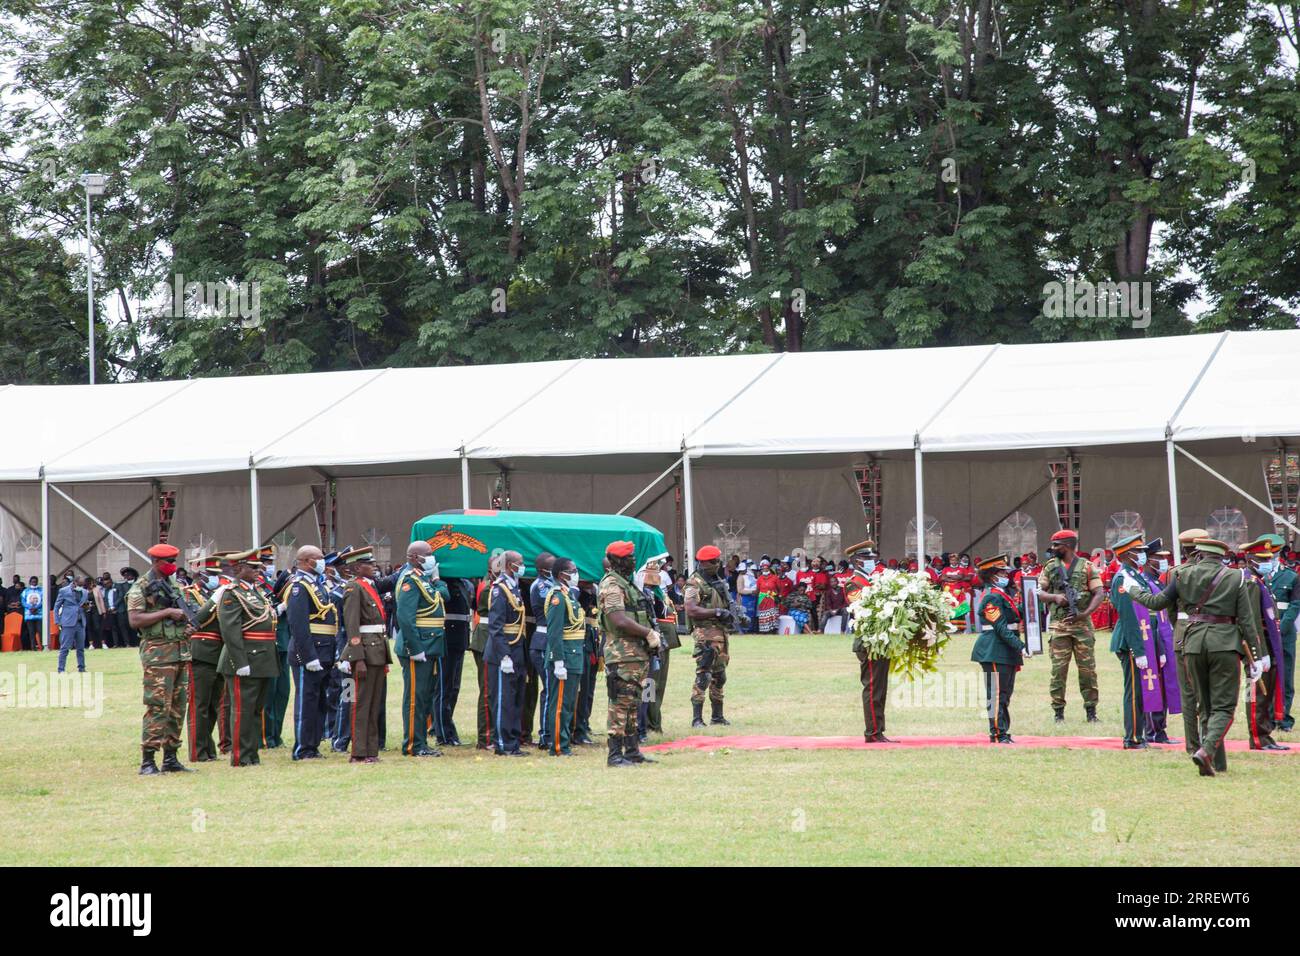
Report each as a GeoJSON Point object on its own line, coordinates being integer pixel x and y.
{"type": "Point", "coordinates": [1142, 663]}
{"type": "Point", "coordinates": [507, 665]}
{"type": "Point", "coordinates": [421, 657]}
{"type": "Point", "coordinates": [561, 672]}
{"type": "Point", "coordinates": [1265, 664]}
{"type": "Point", "coordinates": [279, 609]}
{"type": "Point", "coordinates": [1162, 660]}
{"type": "Point", "coordinates": [1256, 669]}
{"type": "Point", "coordinates": [243, 671]}
{"type": "Point", "coordinates": [344, 666]}
{"type": "Point", "coordinates": [314, 666]}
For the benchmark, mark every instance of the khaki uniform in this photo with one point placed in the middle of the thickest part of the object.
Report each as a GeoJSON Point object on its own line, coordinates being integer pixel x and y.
{"type": "Point", "coordinates": [165, 660]}
{"type": "Point", "coordinates": [363, 620]}
{"type": "Point", "coordinates": [627, 658]}
{"type": "Point", "coordinates": [711, 642]}
{"type": "Point", "coordinates": [1075, 639]}
{"type": "Point", "coordinates": [247, 622]}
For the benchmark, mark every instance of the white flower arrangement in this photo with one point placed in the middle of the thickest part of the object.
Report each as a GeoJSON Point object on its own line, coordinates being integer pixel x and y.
{"type": "Point", "coordinates": [905, 618]}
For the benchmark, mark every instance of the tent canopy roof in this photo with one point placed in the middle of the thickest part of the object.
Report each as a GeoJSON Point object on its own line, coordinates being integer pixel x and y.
{"type": "Point", "coordinates": [1230, 385]}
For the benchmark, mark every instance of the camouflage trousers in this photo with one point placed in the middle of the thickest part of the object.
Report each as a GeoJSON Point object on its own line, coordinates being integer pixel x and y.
{"type": "Point", "coordinates": [624, 682]}
{"type": "Point", "coordinates": [711, 660]}
{"type": "Point", "coordinates": [1077, 642]}
{"type": "Point", "coordinates": [166, 690]}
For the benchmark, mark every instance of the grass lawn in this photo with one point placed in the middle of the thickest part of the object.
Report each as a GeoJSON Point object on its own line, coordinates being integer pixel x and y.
{"type": "Point", "coordinates": [69, 793]}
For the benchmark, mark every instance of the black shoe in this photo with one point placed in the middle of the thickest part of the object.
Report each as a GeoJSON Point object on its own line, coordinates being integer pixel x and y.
{"type": "Point", "coordinates": [147, 766]}
{"type": "Point", "coordinates": [584, 740]}
{"type": "Point", "coordinates": [641, 737]}
{"type": "Point", "coordinates": [715, 706]}
{"type": "Point", "coordinates": [1202, 761]}
{"type": "Point", "coordinates": [993, 738]}
{"type": "Point", "coordinates": [427, 752]}
{"type": "Point", "coordinates": [454, 742]}
{"type": "Point", "coordinates": [171, 765]}
{"type": "Point", "coordinates": [1162, 738]}
{"type": "Point", "coordinates": [1286, 726]}
{"type": "Point", "coordinates": [615, 758]}
{"type": "Point", "coordinates": [313, 755]}
{"type": "Point", "coordinates": [1006, 739]}
{"type": "Point", "coordinates": [1271, 745]}
{"type": "Point", "coordinates": [1140, 745]}
{"type": "Point", "coordinates": [879, 739]}
{"type": "Point", "coordinates": [697, 714]}
{"type": "Point", "coordinates": [1059, 717]}
{"type": "Point", "coordinates": [516, 753]}
{"type": "Point", "coordinates": [632, 753]}
{"type": "Point", "coordinates": [1092, 715]}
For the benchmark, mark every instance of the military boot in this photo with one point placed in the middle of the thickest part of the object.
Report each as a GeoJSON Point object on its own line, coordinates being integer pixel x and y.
{"type": "Point", "coordinates": [697, 713]}
{"type": "Point", "coordinates": [1090, 710]}
{"type": "Point", "coordinates": [147, 766]}
{"type": "Point", "coordinates": [716, 707]}
{"type": "Point", "coordinates": [616, 753]}
{"type": "Point", "coordinates": [171, 765]}
{"type": "Point", "coordinates": [1059, 715]}
{"type": "Point", "coordinates": [632, 752]}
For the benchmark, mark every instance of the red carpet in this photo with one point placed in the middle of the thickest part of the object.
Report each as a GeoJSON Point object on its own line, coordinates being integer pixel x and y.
{"type": "Point", "coordinates": [973, 740]}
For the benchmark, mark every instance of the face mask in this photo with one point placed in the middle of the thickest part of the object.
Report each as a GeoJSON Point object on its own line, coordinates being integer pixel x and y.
{"type": "Point", "coordinates": [1141, 559]}
{"type": "Point", "coordinates": [166, 569]}
{"type": "Point", "coordinates": [1162, 565]}
{"type": "Point", "coordinates": [430, 564]}
{"type": "Point", "coordinates": [1266, 567]}
{"type": "Point", "coordinates": [571, 579]}
{"type": "Point", "coordinates": [1001, 581]}
{"type": "Point", "coordinates": [868, 565]}
{"type": "Point", "coordinates": [213, 582]}
{"type": "Point", "coordinates": [320, 565]}
{"type": "Point", "coordinates": [965, 563]}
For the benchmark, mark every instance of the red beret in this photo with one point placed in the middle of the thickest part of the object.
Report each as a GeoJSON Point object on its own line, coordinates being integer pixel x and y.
{"type": "Point", "coordinates": [163, 551]}
{"type": "Point", "coordinates": [1066, 535]}
{"type": "Point", "coordinates": [707, 553]}
{"type": "Point", "coordinates": [620, 549]}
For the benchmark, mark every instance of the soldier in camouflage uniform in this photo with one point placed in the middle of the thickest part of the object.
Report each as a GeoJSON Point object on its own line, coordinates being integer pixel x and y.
{"type": "Point", "coordinates": [708, 614]}
{"type": "Point", "coordinates": [1071, 635]}
{"type": "Point", "coordinates": [629, 638]}
{"type": "Point", "coordinates": [153, 609]}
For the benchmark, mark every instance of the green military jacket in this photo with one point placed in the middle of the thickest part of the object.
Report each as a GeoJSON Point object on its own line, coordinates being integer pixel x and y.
{"type": "Point", "coordinates": [478, 637]}
{"type": "Point", "coordinates": [617, 594]}
{"type": "Point", "coordinates": [999, 640]}
{"type": "Point", "coordinates": [1282, 583]}
{"type": "Point", "coordinates": [164, 642]}
{"type": "Point", "coordinates": [421, 609]}
{"type": "Point", "coordinates": [566, 631]}
{"type": "Point", "coordinates": [1126, 635]}
{"type": "Point", "coordinates": [363, 622]}
{"type": "Point", "coordinates": [205, 643]}
{"type": "Point", "coordinates": [1230, 597]}
{"type": "Point", "coordinates": [247, 631]}
{"type": "Point", "coordinates": [703, 594]}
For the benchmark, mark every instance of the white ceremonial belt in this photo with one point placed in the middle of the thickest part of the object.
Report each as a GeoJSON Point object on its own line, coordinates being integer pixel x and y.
{"type": "Point", "coordinates": [1182, 615]}
{"type": "Point", "coordinates": [540, 630]}
{"type": "Point", "coordinates": [1009, 627]}
{"type": "Point", "coordinates": [1284, 604]}
{"type": "Point", "coordinates": [371, 629]}
{"type": "Point", "coordinates": [456, 617]}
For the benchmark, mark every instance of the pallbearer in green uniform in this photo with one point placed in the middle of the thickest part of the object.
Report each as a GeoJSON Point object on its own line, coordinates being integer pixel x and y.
{"type": "Point", "coordinates": [1187, 554]}
{"type": "Point", "coordinates": [248, 660]}
{"type": "Point", "coordinates": [1126, 639]}
{"type": "Point", "coordinates": [1282, 581]}
{"type": "Point", "coordinates": [477, 645]}
{"type": "Point", "coordinates": [152, 608]}
{"type": "Point", "coordinates": [277, 697]}
{"type": "Point", "coordinates": [421, 609]}
{"type": "Point", "coordinates": [566, 634]}
{"type": "Point", "coordinates": [1220, 630]}
{"type": "Point", "coordinates": [999, 648]}
{"type": "Point", "coordinates": [365, 655]}
{"type": "Point", "coordinates": [207, 686]}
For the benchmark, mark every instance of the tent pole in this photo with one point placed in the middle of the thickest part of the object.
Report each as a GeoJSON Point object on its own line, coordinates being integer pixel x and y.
{"type": "Point", "coordinates": [920, 509]}
{"type": "Point", "coordinates": [253, 503]}
{"type": "Point", "coordinates": [688, 505]}
{"type": "Point", "coordinates": [1239, 490]}
{"type": "Point", "coordinates": [45, 558]}
{"type": "Point", "coordinates": [642, 493]}
{"type": "Point", "coordinates": [464, 479]}
{"type": "Point", "coordinates": [86, 511]}
{"type": "Point", "coordinates": [1174, 528]}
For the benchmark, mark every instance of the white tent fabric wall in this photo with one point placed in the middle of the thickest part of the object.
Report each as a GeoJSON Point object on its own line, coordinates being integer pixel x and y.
{"type": "Point", "coordinates": [125, 506]}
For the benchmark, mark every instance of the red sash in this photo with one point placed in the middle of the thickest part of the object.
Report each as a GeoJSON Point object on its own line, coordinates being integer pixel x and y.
{"type": "Point", "coordinates": [374, 596]}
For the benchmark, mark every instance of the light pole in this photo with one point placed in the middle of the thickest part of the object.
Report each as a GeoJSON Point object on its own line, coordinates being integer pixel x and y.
{"type": "Point", "coordinates": [94, 183]}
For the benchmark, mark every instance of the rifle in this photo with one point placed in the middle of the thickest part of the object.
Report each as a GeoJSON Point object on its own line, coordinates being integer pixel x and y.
{"type": "Point", "coordinates": [735, 613]}
{"type": "Point", "coordinates": [167, 597]}
{"type": "Point", "coordinates": [1059, 580]}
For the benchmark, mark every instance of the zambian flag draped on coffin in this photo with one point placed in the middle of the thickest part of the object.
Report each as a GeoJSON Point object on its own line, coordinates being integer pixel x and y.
{"type": "Point", "coordinates": [462, 541]}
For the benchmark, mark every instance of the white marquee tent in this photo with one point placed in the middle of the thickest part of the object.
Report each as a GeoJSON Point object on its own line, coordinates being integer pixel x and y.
{"type": "Point", "coordinates": [754, 435]}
